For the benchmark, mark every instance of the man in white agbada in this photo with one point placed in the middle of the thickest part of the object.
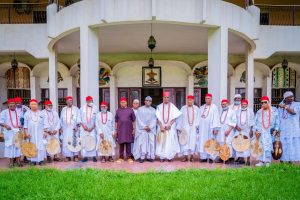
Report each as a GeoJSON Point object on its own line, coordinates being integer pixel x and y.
{"type": "Point", "coordinates": [244, 125]}
{"type": "Point", "coordinates": [266, 124]}
{"type": "Point", "coordinates": [188, 124]}
{"type": "Point", "coordinates": [51, 126]}
{"type": "Point", "coordinates": [88, 114]}
{"type": "Point", "coordinates": [289, 113]}
{"type": "Point", "coordinates": [69, 121]}
{"type": "Point", "coordinates": [236, 102]}
{"type": "Point", "coordinates": [209, 125]}
{"type": "Point", "coordinates": [34, 130]}
{"type": "Point", "coordinates": [144, 145]}
{"type": "Point", "coordinates": [228, 123]}
{"type": "Point", "coordinates": [21, 109]}
{"type": "Point", "coordinates": [105, 127]}
{"type": "Point", "coordinates": [10, 121]}
{"type": "Point", "coordinates": [167, 146]}
{"type": "Point", "coordinates": [135, 107]}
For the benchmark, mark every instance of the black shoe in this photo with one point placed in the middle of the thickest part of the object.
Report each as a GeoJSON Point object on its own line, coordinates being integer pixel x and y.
{"type": "Point", "coordinates": [203, 160]}
{"type": "Point", "coordinates": [142, 160]}
{"type": "Point", "coordinates": [94, 159]}
{"type": "Point", "coordinates": [150, 160]}
{"type": "Point", "coordinates": [49, 160]}
{"type": "Point", "coordinates": [162, 160]}
{"type": "Point", "coordinates": [32, 163]}
{"type": "Point", "coordinates": [85, 159]}
{"type": "Point", "coordinates": [25, 160]}
{"type": "Point", "coordinates": [211, 161]}
{"type": "Point", "coordinates": [41, 163]}
{"type": "Point", "coordinates": [170, 160]}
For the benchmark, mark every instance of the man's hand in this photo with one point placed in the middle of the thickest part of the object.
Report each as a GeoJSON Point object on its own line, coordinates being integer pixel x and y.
{"type": "Point", "coordinates": [276, 133]}
{"type": "Point", "coordinates": [45, 134]}
{"type": "Point", "coordinates": [115, 135]}
{"type": "Point", "coordinates": [133, 131]}
{"type": "Point", "coordinates": [257, 134]}
{"type": "Point", "coordinates": [162, 129]}
{"type": "Point", "coordinates": [27, 135]}
{"type": "Point", "coordinates": [227, 133]}
{"type": "Point", "coordinates": [76, 129]}
{"type": "Point", "coordinates": [102, 136]}
{"type": "Point", "coordinates": [7, 127]}
{"type": "Point", "coordinates": [20, 126]}
{"type": "Point", "coordinates": [281, 105]}
{"type": "Point", "coordinates": [238, 128]}
{"type": "Point", "coordinates": [215, 132]}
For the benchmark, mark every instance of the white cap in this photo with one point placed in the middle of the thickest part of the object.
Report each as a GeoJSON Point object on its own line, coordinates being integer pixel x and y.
{"type": "Point", "coordinates": [136, 101]}
{"type": "Point", "coordinates": [237, 96]}
{"type": "Point", "coordinates": [287, 94]}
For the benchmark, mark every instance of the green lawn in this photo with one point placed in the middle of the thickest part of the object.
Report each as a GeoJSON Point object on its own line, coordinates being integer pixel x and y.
{"type": "Point", "coordinates": [277, 182]}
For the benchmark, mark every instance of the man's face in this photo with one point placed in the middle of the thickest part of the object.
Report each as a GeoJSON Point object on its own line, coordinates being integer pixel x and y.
{"type": "Point", "coordinates": [289, 99]}
{"type": "Point", "coordinates": [166, 99]}
{"type": "Point", "coordinates": [244, 105]}
{"type": "Point", "coordinates": [70, 103]}
{"type": "Point", "coordinates": [237, 100]}
{"type": "Point", "coordinates": [135, 105]}
{"type": "Point", "coordinates": [208, 100]}
{"type": "Point", "coordinates": [264, 104]}
{"type": "Point", "coordinates": [12, 106]}
{"type": "Point", "coordinates": [49, 107]}
{"type": "Point", "coordinates": [123, 104]}
{"type": "Point", "coordinates": [224, 105]}
{"type": "Point", "coordinates": [190, 102]}
{"type": "Point", "coordinates": [18, 104]}
{"type": "Point", "coordinates": [33, 106]}
{"type": "Point", "coordinates": [103, 108]}
{"type": "Point", "coordinates": [89, 103]}
{"type": "Point", "coordinates": [148, 103]}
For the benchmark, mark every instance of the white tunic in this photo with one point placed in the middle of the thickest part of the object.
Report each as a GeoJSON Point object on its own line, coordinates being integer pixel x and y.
{"type": "Point", "coordinates": [51, 123]}
{"type": "Point", "coordinates": [227, 120]}
{"type": "Point", "coordinates": [10, 150]}
{"type": "Point", "coordinates": [105, 124]}
{"type": "Point", "coordinates": [69, 119]}
{"type": "Point", "coordinates": [245, 120]}
{"type": "Point", "coordinates": [235, 107]}
{"type": "Point", "coordinates": [209, 121]}
{"type": "Point", "coordinates": [171, 147]}
{"type": "Point", "coordinates": [144, 144]}
{"type": "Point", "coordinates": [189, 123]}
{"type": "Point", "coordinates": [34, 123]}
{"type": "Point", "coordinates": [88, 118]}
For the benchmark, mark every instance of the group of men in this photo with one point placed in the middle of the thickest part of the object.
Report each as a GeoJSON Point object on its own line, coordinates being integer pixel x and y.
{"type": "Point", "coordinates": [144, 133]}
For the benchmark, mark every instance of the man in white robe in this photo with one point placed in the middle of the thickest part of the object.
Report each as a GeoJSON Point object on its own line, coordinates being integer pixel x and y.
{"type": "Point", "coordinates": [10, 121]}
{"type": "Point", "coordinates": [34, 130]}
{"type": "Point", "coordinates": [105, 127]}
{"type": "Point", "coordinates": [266, 124]}
{"type": "Point", "coordinates": [289, 113]}
{"type": "Point", "coordinates": [228, 123]}
{"type": "Point", "coordinates": [209, 125]}
{"type": "Point", "coordinates": [144, 146]}
{"type": "Point", "coordinates": [166, 114]}
{"type": "Point", "coordinates": [244, 125]}
{"type": "Point", "coordinates": [69, 121]}
{"type": "Point", "coordinates": [237, 99]}
{"type": "Point", "coordinates": [88, 114]}
{"type": "Point", "coordinates": [189, 125]}
{"type": "Point", "coordinates": [51, 126]}
{"type": "Point", "coordinates": [135, 107]}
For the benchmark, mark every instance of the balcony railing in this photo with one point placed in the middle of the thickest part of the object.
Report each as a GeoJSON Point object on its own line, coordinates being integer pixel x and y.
{"type": "Point", "coordinates": [23, 13]}
{"type": "Point", "coordinates": [63, 3]}
{"type": "Point", "coordinates": [284, 15]}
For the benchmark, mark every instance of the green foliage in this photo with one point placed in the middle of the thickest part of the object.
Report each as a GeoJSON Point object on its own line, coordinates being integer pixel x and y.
{"type": "Point", "coordinates": [279, 181]}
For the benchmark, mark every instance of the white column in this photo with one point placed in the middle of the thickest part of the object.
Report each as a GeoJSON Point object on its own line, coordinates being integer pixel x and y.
{"type": "Point", "coordinates": [190, 89]}
{"type": "Point", "coordinates": [35, 89]}
{"type": "Point", "coordinates": [72, 88]}
{"type": "Point", "coordinates": [53, 92]}
{"type": "Point", "coordinates": [269, 87]}
{"type": "Point", "coordinates": [112, 94]}
{"type": "Point", "coordinates": [3, 92]}
{"type": "Point", "coordinates": [217, 63]}
{"type": "Point", "coordinates": [250, 77]}
{"type": "Point", "coordinates": [232, 88]}
{"type": "Point", "coordinates": [89, 64]}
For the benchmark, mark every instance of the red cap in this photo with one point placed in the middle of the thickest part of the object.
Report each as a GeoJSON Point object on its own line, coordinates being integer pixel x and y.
{"type": "Point", "coordinates": [166, 94]}
{"type": "Point", "coordinates": [33, 101]}
{"type": "Point", "coordinates": [103, 103]}
{"type": "Point", "coordinates": [190, 97]}
{"type": "Point", "coordinates": [18, 100]}
{"type": "Point", "coordinates": [123, 99]}
{"type": "Point", "coordinates": [89, 98]}
{"type": "Point", "coordinates": [224, 101]}
{"type": "Point", "coordinates": [245, 101]}
{"type": "Point", "coordinates": [265, 98]}
{"type": "Point", "coordinates": [11, 100]}
{"type": "Point", "coordinates": [48, 102]}
{"type": "Point", "coordinates": [69, 98]}
{"type": "Point", "coordinates": [208, 95]}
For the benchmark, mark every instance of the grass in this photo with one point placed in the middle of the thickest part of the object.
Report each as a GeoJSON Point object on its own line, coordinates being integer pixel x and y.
{"type": "Point", "coordinates": [280, 181]}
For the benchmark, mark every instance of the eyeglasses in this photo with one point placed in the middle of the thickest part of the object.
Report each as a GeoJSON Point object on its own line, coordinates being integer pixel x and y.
{"type": "Point", "coordinates": [166, 97]}
{"type": "Point", "coordinates": [148, 100]}
{"type": "Point", "coordinates": [264, 102]}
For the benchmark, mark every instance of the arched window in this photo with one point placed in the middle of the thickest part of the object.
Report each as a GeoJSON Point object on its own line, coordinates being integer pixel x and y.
{"type": "Point", "coordinates": [18, 83]}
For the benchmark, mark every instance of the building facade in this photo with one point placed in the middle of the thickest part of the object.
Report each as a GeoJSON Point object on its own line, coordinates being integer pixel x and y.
{"type": "Point", "coordinates": [99, 48]}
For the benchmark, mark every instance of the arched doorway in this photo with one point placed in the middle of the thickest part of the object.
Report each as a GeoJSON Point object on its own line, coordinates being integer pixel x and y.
{"type": "Point", "coordinates": [283, 79]}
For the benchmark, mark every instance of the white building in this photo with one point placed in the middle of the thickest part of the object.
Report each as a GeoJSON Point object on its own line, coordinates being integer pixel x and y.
{"type": "Point", "coordinates": [99, 48]}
